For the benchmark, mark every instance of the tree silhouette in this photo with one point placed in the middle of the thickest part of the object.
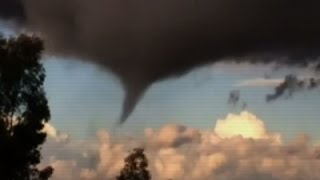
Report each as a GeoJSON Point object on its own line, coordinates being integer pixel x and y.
{"type": "Point", "coordinates": [23, 108]}
{"type": "Point", "coordinates": [135, 167]}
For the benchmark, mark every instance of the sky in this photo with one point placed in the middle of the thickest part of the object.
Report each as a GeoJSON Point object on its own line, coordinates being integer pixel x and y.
{"type": "Point", "coordinates": [84, 97]}
{"type": "Point", "coordinates": [180, 122]}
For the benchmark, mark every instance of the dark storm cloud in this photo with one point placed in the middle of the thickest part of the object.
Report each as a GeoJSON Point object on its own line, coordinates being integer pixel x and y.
{"type": "Point", "coordinates": [144, 41]}
{"type": "Point", "coordinates": [292, 84]}
{"type": "Point", "coordinates": [12, 9]}
{"type": "Point", "coordinates": [234, 97]}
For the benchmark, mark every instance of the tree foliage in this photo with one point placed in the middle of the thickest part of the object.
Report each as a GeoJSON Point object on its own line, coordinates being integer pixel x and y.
{"type": "Point", "coordinates": [135, 168]}
{"type": "Point", "coordinates": [23, 108]}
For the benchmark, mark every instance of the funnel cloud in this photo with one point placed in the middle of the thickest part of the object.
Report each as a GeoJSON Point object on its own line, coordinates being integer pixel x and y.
{"type": "Point", "coordinates": [145, 41]}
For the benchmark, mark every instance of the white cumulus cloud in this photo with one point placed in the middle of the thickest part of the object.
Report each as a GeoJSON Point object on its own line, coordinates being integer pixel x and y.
{"type": "Point", "coordinates": [245, 124]}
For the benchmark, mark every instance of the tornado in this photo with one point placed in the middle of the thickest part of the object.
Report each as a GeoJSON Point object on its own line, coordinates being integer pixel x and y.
{"type": "Point", "coordinates": [146, 41]}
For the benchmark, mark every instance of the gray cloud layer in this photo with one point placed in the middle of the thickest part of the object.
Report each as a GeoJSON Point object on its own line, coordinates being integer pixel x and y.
{"type": "Point", "coordinates": [144, 41]}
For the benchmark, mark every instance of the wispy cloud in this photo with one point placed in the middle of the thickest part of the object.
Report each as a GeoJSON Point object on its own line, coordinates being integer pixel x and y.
{"type": "Point", "coordinates": [259, 82]}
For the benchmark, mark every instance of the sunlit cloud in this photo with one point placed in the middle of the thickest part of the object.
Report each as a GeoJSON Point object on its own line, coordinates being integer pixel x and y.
{"type": "Point", "coordinates": [245, 124]}
{"type": "Point", "coordinates": [238, 147]}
